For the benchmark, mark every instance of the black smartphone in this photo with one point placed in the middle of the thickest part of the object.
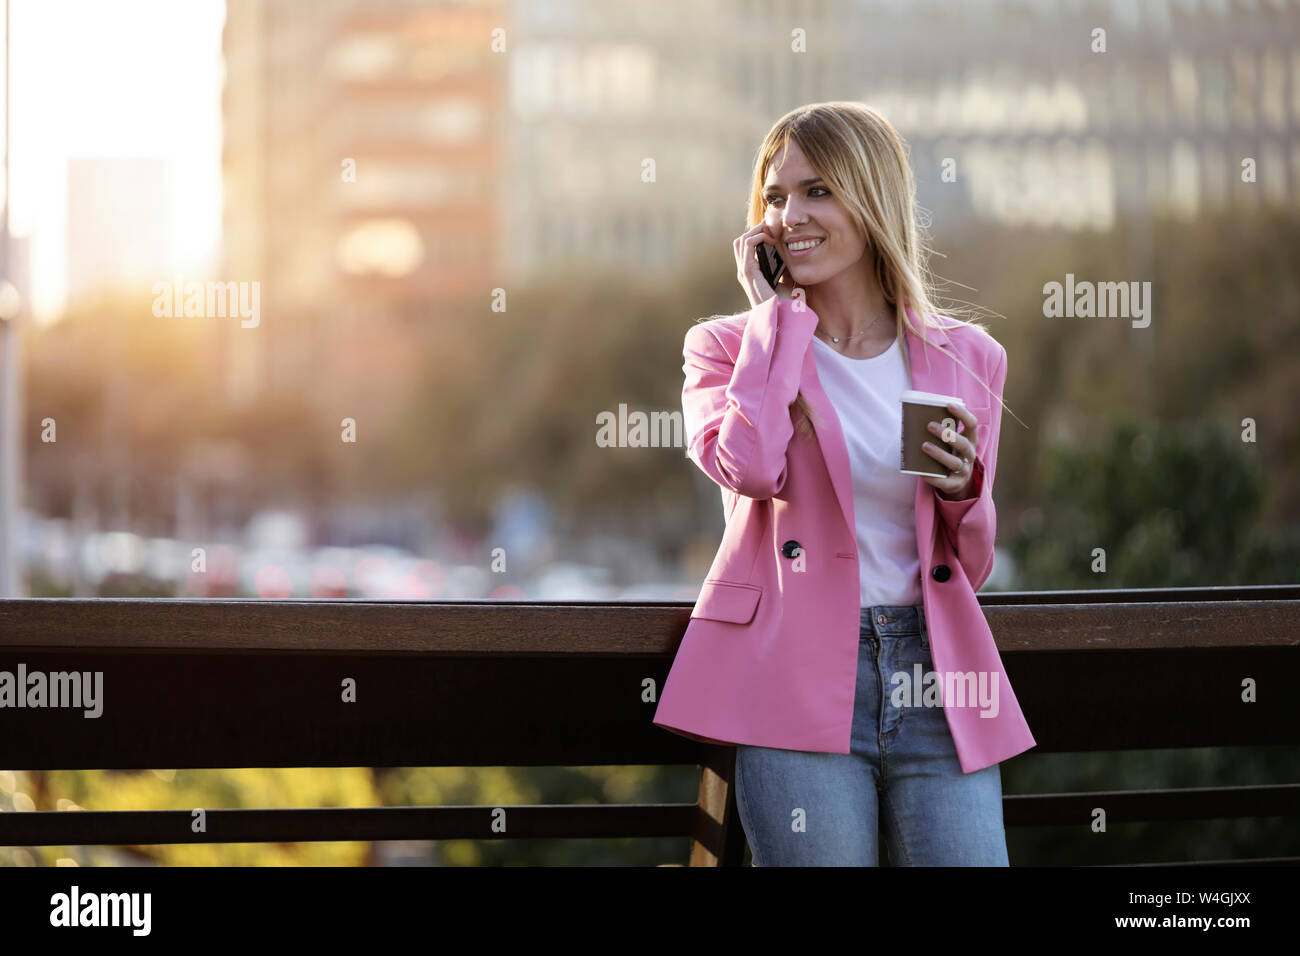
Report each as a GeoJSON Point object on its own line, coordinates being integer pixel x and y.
{"type": "Point", "coordinates": [770, 263]}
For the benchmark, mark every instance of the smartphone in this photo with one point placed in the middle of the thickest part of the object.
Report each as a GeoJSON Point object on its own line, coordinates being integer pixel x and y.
{"type": "Point", "coordinates": [770, 263]}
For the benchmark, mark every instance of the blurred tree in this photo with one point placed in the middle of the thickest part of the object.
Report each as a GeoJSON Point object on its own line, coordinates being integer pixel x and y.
{"type": "Point", "coordinates": [1172, 506]}
{"type": "Point", "coordinates": [189, 789]}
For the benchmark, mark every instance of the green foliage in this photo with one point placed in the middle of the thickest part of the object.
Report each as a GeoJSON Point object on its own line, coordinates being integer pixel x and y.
{"type": "Point", "coordinates": [503, 786]}
{"type": "Point", "coordinates": [1172, 506]}
{"type": "Point", "coordinates": [1160, 840]}
{"type": "Point", "coordinates": [351, 787]}
{"type": "Point", "coordinates": [72, 790]}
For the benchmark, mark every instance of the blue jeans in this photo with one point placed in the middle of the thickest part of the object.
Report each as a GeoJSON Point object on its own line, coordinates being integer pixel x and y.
{"type": "Point", "coordinates": [807, 808]}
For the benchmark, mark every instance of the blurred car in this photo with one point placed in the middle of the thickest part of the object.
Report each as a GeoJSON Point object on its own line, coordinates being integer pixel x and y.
{"type": "Point", "coordinates": [665, 591]}
{"type": "Point", "coordinates": [568, 581]}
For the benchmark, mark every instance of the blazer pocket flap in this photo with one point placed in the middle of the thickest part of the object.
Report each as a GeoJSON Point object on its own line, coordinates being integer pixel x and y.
{"type": "Point", "coordinates": [724, 601]}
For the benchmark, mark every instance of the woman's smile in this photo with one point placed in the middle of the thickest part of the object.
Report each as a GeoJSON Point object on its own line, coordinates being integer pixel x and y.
{"type": "Point", "coordinates": [802, 247]}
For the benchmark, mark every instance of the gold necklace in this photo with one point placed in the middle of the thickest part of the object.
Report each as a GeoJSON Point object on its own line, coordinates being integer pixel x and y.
{"type": "Point", "coordinates": [847, 338]}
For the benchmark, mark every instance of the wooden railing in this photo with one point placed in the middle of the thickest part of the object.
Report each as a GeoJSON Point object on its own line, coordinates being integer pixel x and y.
{"type": "Point", "coordinates": [242, 683]}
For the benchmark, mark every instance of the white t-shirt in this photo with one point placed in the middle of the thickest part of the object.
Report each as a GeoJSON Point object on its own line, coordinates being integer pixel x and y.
{"type": "Point", "coordinates": [867, 395]}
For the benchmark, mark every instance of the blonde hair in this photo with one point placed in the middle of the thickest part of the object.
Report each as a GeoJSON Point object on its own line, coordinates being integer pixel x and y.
{"type": "Point", "coordinates": [865, 164]}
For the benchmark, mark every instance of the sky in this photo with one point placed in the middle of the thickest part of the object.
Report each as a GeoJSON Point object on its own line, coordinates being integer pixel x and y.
{"type": "Point", "coordinates": [114, 78]}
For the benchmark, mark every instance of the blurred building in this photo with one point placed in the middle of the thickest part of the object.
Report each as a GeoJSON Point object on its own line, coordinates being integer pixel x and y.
{"type": "Point", "coordinates": [1039, 128]}
{"type": "Point", "coordinates": [632, 127]}
{"type": "Point", "coordinates": [1047, 129]}
{"type": "Point", "coordinates": [20, 270]}
{"type": "Point", "coordinates": [622, 135]}
{"type": "Point", "coordinates": [119, 224]}
{"type": "Point", "coordinates": [360, 161]}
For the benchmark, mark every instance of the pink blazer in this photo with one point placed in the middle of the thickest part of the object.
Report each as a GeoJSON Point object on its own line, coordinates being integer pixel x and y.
{"type": "Point", "coordinates": [769, 657]}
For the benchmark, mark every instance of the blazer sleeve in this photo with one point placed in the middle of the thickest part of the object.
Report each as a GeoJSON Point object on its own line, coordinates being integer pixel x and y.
{"type": "Point", "coordinates": [737, 413]}
{"type": "Point", "coordinates": [971, 523]}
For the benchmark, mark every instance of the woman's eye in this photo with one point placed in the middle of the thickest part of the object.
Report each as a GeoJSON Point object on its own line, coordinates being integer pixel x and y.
{"type": "Point", "coordinates": [771, 200]}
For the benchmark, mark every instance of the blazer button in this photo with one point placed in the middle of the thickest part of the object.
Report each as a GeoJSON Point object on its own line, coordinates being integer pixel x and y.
{"type": "Point", "coordinates": [790, 547]}
{"type": "Point", "coordinates": [941, 572]}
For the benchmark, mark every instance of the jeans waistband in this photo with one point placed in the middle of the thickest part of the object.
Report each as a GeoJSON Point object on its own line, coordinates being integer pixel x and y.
{"type": "Point", "coordinates": [892, 620]}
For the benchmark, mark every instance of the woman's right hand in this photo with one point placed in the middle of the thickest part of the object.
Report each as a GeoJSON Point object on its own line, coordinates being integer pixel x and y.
{"type": "Point", "coordinates": [750, 275]}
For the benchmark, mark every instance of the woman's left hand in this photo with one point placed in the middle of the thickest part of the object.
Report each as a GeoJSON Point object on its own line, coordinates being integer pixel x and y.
{"type": "Point", "coordinates": [959, 483]}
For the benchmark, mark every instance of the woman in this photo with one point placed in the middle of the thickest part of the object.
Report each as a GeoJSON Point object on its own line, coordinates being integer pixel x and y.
{"type": "Point", "coordinates": [837, 640]}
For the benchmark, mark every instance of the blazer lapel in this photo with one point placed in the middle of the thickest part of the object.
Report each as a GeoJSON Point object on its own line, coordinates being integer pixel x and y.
{"type": "Point", "coordinates": [935, 375]}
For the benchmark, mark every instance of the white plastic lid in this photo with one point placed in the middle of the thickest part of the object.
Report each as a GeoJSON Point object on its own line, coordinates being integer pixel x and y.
{"type": "Point", "coordinates": [932, 398]}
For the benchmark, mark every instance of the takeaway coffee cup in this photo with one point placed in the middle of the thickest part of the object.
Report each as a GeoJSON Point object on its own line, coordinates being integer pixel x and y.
{"type": "Point", "coordinates": [919, 409]}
